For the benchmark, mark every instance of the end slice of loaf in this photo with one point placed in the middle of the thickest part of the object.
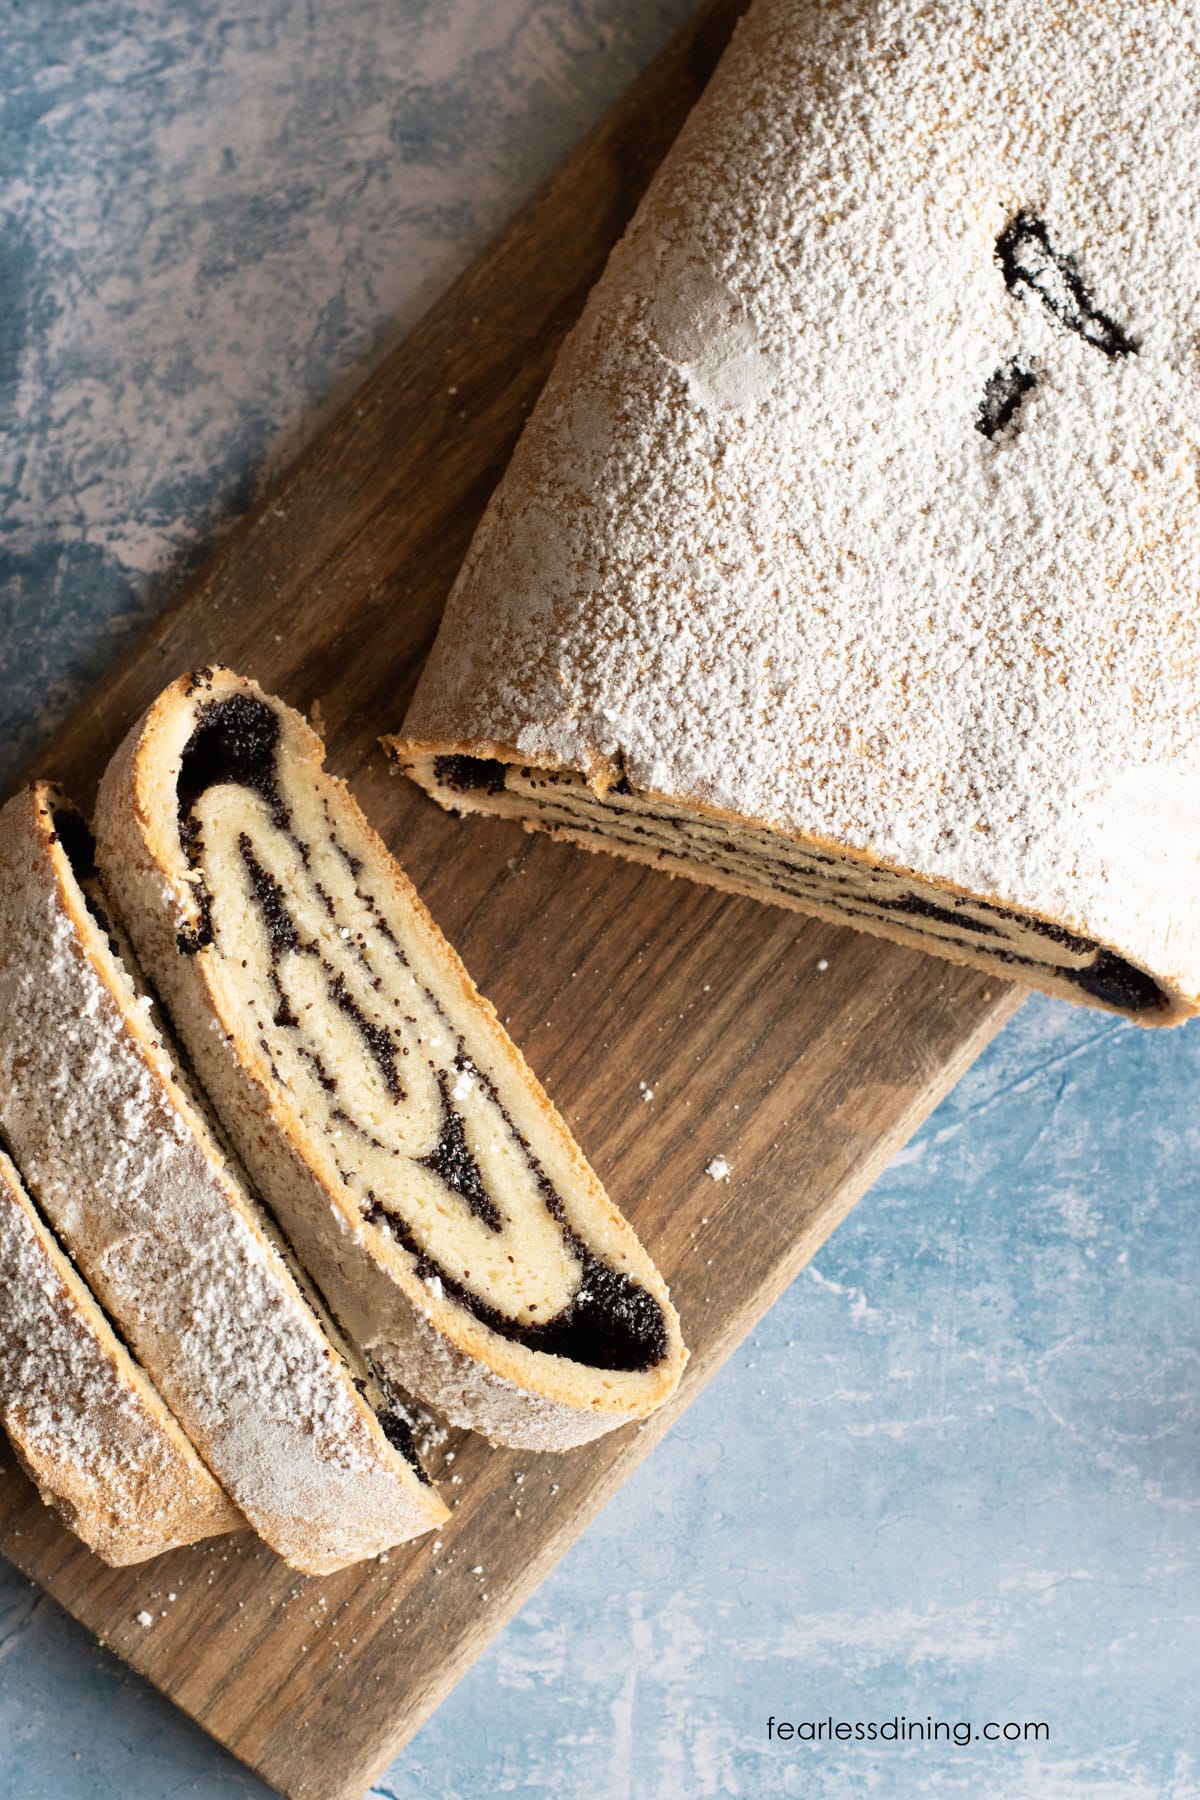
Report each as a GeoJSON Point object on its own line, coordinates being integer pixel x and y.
{"type": "Point", "coordinates": [430, 1187]}
{"type": "Point", "coordinates": [159, 1221]}
{"type": "Point", "coordinates": [82, 1417]}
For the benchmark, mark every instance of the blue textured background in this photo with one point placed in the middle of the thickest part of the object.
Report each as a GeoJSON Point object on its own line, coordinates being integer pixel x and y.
{"type": "Point", "coordinates": [957, 1471]}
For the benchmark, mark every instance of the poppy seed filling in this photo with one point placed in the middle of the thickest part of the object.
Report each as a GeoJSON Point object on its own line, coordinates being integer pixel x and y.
{"type": "Point", "coordinates": [768, 866]}
{"type": "Point", "coordinates": [610, 1321]}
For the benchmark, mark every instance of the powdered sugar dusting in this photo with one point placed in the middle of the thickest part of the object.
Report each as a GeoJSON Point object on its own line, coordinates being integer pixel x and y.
{"type": "Point", "coordinates": [156, 1218]}
{"type": "Point", "coordinates": [804, 585]}
{"type": "Point", "coordinates": [90, 1429]}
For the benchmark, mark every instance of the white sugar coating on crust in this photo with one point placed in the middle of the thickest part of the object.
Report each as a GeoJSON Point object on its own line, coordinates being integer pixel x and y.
{"type": "Point", "coordinates": [156, 1218]}
{"type": "Point", "coordinates": [753, 550]}
{"type": "Point", "coordinates": [82, 1417]}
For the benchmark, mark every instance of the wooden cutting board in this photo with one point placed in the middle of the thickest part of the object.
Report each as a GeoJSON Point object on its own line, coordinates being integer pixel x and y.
{"type": "Point", "coordinates": [806, 1078]}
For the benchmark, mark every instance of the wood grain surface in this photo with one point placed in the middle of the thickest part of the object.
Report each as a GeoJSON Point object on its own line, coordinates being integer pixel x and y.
{"type": "Point", "coordinates": [806, 1079]}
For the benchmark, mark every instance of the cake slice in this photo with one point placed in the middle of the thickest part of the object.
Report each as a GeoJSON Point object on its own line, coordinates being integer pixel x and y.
{"type": "Point", "coordinates": [110, 1137]}
{"type": "Point", "coordinates": [421, 1173]}
{"type": "Point", "coordinates": [86, 1425]}
{"type": "Point", "coordinates": [849, 559]}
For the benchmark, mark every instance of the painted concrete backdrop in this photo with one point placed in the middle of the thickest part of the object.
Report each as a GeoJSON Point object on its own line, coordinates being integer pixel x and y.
{"type": "Point", "coordinates": [957, 1471]}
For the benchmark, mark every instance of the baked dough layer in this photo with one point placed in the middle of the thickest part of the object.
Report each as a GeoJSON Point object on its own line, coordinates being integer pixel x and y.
{"type": "Point", "coordinates": [815, 878]}
{"type": "Point", "coordinates": [86, 1424]}
{"type": "Point", "coordinates": [427, 1183]}
{"type": "Point", "coordinates": [113, 1142]}
{"type": "Point", "coordinates": [859, 511]}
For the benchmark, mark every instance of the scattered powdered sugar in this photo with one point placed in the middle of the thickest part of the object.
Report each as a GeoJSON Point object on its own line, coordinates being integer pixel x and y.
{"type": "Point", "coordinates": [464, 1081]}
{"type": "Point", "coordinates": [430, 1432]}
{"type": "Point", "coordinates": [754, 549]}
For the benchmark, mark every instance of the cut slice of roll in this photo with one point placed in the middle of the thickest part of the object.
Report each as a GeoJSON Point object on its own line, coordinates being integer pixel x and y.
{"type": "Point", "coordinates": [850, 558]}
{"type": "Point", "coordinates": [84, 1421]}
{"type": "Point", "coordinates": [159, 1222]}
{"type": "Point", "coordinates": [433, 1192]}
